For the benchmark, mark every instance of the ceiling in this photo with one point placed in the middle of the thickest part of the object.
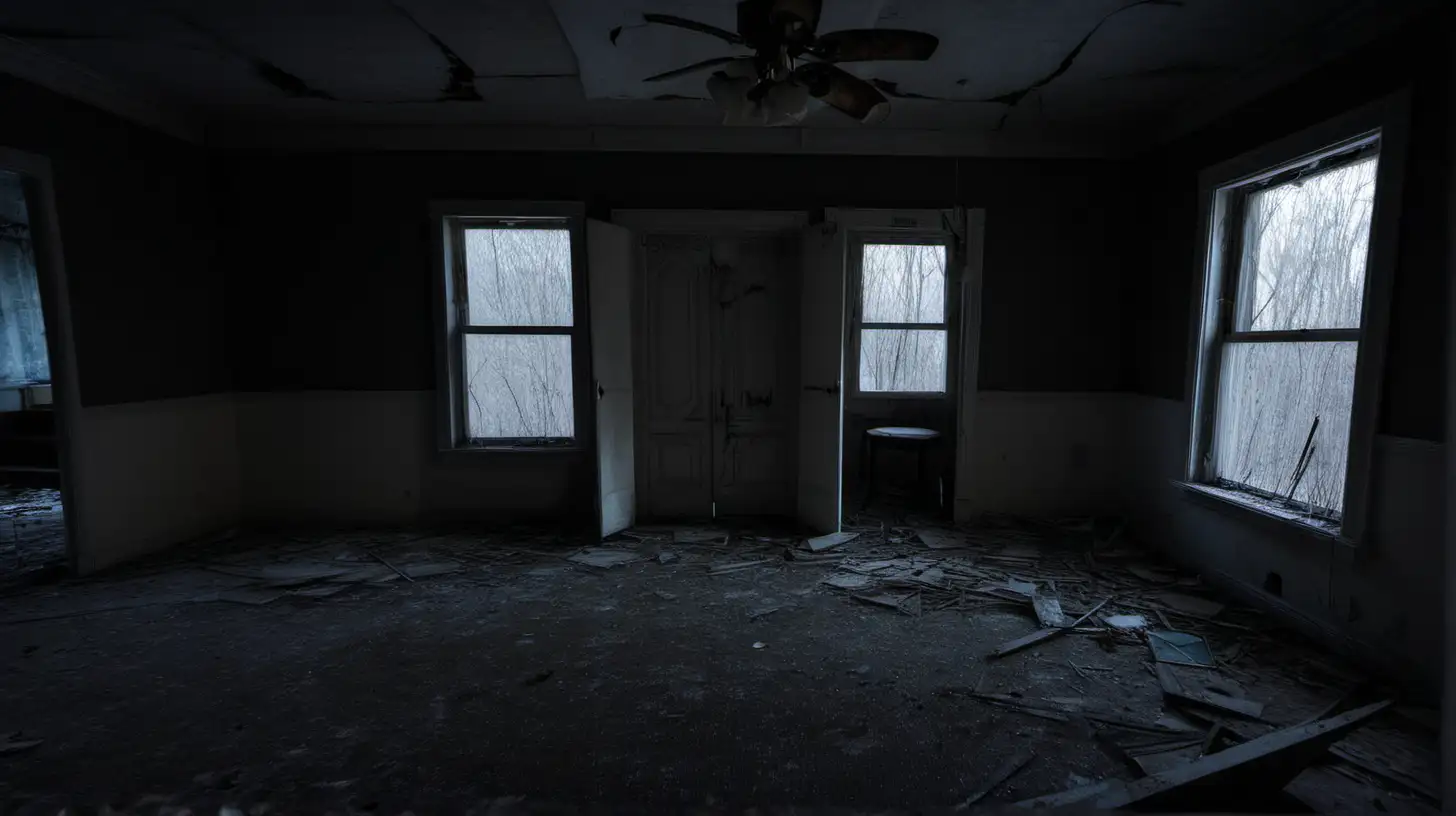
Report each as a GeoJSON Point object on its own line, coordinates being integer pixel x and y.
{"type": "Point", "coordinates": [1011, 69]}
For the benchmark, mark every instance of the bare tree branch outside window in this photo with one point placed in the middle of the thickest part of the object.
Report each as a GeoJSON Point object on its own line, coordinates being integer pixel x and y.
{"type": "Point", "coordinates": [518, 385]}
{"type": "Point", "coordinates": [1303, 268]}
{"type": "Point", "coordinates": [902, 285]}
{"type": "Point", "coordinates": [23, 356]}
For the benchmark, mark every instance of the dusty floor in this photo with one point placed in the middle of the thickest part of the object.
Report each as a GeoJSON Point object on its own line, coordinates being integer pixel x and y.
{"type": "Point", "coordinates": [32, 531]}
{"type": "Point", "coordinates": [304, 674]}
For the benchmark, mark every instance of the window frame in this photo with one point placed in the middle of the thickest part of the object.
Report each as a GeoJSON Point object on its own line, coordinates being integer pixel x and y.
{"type": "Point", "coordinates": [450, 220]}
{"type": "Point", "coordinates": [1223, 190]}
{"type": "Point", "coordinates": [858, 238]}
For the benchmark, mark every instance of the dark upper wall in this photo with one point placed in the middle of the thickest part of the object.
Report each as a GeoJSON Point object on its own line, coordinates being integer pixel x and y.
{"type": "Point", "coordinates": [330, 282]}
{"type": "Point", "coordinates": [1162, 251]}
{"type": "Point", "coordinates": [137, 231]}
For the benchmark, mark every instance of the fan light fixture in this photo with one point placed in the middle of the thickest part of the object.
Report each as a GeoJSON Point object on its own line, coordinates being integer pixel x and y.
{"type": "Point", "coordinates": [791, 63]}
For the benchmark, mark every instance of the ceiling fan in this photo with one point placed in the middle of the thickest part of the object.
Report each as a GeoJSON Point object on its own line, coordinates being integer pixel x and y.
{"type": "Point", "coordinates": [791, 62]}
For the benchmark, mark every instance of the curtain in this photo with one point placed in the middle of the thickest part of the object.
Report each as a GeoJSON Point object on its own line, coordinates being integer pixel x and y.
{"type": "Point", "coordinates": [22, 327]}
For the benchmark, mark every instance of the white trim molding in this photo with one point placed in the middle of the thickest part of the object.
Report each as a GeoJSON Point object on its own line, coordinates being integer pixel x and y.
{"type": "Point", "coordinates": [715, 222]}
{"type": "Point", "coordinates": [504, 137]}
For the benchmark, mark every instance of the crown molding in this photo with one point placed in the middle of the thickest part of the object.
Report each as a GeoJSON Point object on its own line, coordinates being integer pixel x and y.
{"type": "Point", "coordinates": [657, 139]}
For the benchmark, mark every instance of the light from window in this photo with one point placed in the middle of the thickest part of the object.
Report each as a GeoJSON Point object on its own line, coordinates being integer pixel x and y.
{"type": "Point", "coordinates": [1286, 379]}
{"type": "Point", "coordinates": [23, 356]}
{"type": "Point", "coordinates": [517, 339]}
{"type": "Point", "coordinates": [902, 339]}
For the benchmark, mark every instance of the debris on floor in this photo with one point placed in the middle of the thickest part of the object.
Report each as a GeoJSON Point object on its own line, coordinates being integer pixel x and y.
{"type": "Point", "coordinates": [828, 542]}
{"type": "Point", "coordinates": [1003, 772]}
{"type": "Point", "coordinates": [32, 534]}
{"type": "Point", "coordinates": [605, 559]}
{"type": "Point", "coordinates": [1076, 665]}
{"type": "Point", "coordinates": [1126, 621]}
{"type": "Point", "coordinates": [1179, 648]}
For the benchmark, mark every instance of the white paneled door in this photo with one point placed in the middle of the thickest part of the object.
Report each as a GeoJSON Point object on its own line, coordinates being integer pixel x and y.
{"type": "Point", "coordinates": [609, 282]}
{"type": "Point", "coordinates": [821, 374]}
{"type": "Point", "coordinates": [717, 374]}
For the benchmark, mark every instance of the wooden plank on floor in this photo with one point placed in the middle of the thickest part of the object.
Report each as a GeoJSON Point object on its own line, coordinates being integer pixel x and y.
{"type": "Point", "coordinates": [1173, 687]}
{"type": "Point", "coordinates": [1235, 776]}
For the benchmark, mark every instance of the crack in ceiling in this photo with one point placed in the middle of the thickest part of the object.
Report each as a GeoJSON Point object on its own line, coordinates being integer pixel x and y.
{"type": "Point", "coordinates": [1013, 98]}
{"type": "Point", "coordinates": [568, 62]}
{"type": "Point", "coordinates": [289, 84]}
{"type": "Point", "coordinates": [460, 85]}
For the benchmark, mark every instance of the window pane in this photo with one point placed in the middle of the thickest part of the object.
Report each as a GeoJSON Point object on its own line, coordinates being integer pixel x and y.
{"type": "Point", "coordinates": [1305, 244]}
{"type": "Point", "coordinates": [518, 385]}
{"type": "Point", "coordinates": [23, 355]}
{"type": "Point", "coordinates": [518, 277]}
{"type": "Point", "coordinates": [904, 283]}
{"type": "Point", "coordinates": [902, 360]}
{"type": "Point", "coordinates": [1269, 396]}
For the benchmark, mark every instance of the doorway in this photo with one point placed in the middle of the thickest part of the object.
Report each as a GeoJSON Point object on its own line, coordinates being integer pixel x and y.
{"type": "Point", "coordinates": [35, 542]}
{"type": "Point", "coordinates": [717, 361]}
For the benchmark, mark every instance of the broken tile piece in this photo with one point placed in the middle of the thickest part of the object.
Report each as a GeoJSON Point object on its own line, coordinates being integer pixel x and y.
{"type": "Point", "coordinates": [1026, 588]}
{"type": "Point", "coordinates": [603, 558]}
{"type": "Point", "coordinates": [848, 580]}
{"type": "Point", "coordinates": [1180, 647]}
{"type": "Point", "coordinates": [1126, 621]}
{"type": "Point", "coordinates": [826, 542]}
{"type": "Point", "coordinates": [938, 540]}
{"type": "Point", "coordinates": [700, 535]}
{"type": "Point", "coordinates": [1048, 610]}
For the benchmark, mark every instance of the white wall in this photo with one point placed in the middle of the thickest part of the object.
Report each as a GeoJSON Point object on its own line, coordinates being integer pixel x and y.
{"type": "Point", "coordinates": [149, 475]}
{"type": "Point", "coordinates": [1121, 454]}
{"type": "Point", "coordinates": [368, 457]}
{"type": "Point", "coordinates": [1384, 599]}
{"type": "Point", "coordinates": [1044, 454]}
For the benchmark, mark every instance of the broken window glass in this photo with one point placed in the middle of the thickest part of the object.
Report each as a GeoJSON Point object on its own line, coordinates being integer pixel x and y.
{"type": "Point", "coordinates": [1305, 244]}
{"type": "Point", "coordinates": [1281, 427]}
{"type": "Point", "coordinates": [518, 386]}
{"type": "Point", "coordinates": [23, 357]}
{"type": "Point", "coordinates": [1284, 420]}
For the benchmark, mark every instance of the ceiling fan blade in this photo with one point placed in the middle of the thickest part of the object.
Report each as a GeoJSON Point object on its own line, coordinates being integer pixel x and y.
{"type": "Point", "coordinates": [688, 69]}
{"type": "Point", "coordinates": [843, 91]}
{"type": "Point", "coordinates": [693, 25]}
{"type": "Point", "coordinates": [855, 45]}
{"type": "Point", "coordinates": [796, 18]}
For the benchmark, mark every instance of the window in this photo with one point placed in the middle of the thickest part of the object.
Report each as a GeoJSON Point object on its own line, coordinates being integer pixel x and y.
{"type": "Point", "coordinates": [23, 357]}
{"type": "Point", "coordinates": [901, 339]}
{"type": "Point", "coordinates": [512, 331]}
{"type": "Point", "coordinates": [1285, 394]}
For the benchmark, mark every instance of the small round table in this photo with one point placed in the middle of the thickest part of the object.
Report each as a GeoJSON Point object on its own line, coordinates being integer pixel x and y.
{"type": "Point", "coordinates": [916, 439]}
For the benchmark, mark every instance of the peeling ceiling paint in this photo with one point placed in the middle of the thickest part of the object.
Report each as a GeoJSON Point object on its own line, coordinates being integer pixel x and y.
{"type": "Point", "coordinates": [1018, 65]}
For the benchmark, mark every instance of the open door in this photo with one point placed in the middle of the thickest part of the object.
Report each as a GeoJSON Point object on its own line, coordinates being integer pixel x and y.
{"type": "Point", "coordinates": [609, 285]}
{"type": "Point", "coordinates": [821, 373]}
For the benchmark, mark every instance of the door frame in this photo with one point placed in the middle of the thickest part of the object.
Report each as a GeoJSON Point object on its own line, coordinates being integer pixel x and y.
{"type": "Point", "coordinates": [38, 183]}
{"type": "Point", "coordinates": [644, 222]}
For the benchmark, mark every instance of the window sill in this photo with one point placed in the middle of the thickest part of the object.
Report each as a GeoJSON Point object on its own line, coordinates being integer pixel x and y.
{"type": "Point", "coordinates": [476, 454]}
{"type": "Point", "coordinates": [898, 395]}
{"type": "Point", "coordinates": [1234, 503]}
